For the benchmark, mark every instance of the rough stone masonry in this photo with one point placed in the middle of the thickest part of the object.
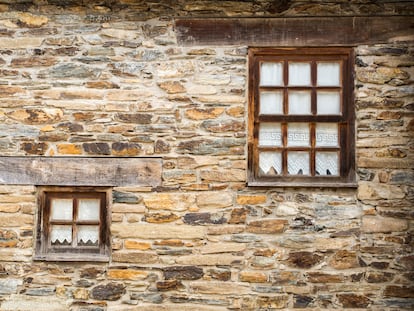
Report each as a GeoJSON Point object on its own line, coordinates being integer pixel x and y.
{"type": "Point", "coordinates": [109, 78]}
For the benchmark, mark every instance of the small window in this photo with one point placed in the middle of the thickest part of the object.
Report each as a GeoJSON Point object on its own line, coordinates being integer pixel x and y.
{"type": "Point", "coordinates": [73, 224]}
{"type": "Point", "coordinates": [301, 117]}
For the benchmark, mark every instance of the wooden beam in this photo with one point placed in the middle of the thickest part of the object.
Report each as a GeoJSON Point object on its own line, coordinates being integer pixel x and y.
{"type": "Point", "coordinates": [80, 171]}
{"type": "Point", "coordinates": [294, 31]}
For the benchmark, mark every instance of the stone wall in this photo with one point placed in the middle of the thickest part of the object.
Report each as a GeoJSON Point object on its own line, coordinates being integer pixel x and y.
{"type": "Point", "coordinates": [107, 78]}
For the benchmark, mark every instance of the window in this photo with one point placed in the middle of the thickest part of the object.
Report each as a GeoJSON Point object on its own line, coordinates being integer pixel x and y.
{"type": "Point", "coordinates": [301, 117]}
{"type": "Point", "coordinates": [73, 224]}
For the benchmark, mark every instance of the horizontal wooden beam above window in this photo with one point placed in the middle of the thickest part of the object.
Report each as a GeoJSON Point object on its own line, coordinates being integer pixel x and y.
{"type": "Point", "coordinates": [294, 31]}
{"type": "Point", "coordinates": [80, 171]}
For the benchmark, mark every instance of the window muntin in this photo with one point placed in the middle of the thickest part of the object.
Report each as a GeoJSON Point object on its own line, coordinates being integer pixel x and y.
{"type": "Point", "coordinates": [73, 224]}
{"type": "Point", "coordinates": [301, 117]}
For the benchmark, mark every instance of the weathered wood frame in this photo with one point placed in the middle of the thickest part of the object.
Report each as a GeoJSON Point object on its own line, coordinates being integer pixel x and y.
{"type": "Point", "coordinates": [345, 121]}
{"type": "Point", "coordinates": [45, 251]}
{"type": "Point", "coordinates": [80, 171]}
{"type": "Point", "coordinates": [294, 31]}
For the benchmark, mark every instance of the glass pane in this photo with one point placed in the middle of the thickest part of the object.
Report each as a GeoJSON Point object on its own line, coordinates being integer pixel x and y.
{"type": "Point", "coordinates": [61, 235]}
{"type": "Point", "coordinates": [61, 209]}
{"type": "Point", "coordinates": [328, 103]}
{"type": "Point", "coordinates": [271, 74]}
{"type": "Point", "coordinates": [88, 235]}
{"type": "Point", "coordinates": [89, 209]}
{"type": "Point", "coordinates": [328, 74]}
{"type": "Point", "coordinates": [298, 163]}
{"type": "Point", "coordinates": [270, 134]}
{"type": "Point", "coordinates": [270, 163]}
{"type": "Point", "coordinates": [327, 163]}
{"type": "Point", "coordinates": [299, 102]}
{"type": "Point", "coordinates": [271, 102]}
{"type": "Point", "coordinates": [326, 135]}
{"type": "Point", "coordinates": [298, 135]}
{"type": "Point", "coordinates": [299, 74]}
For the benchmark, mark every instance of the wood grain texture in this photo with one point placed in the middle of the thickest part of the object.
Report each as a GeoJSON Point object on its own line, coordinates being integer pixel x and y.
{"type": "Point", "coordinates": [298, 31]}
{"type": "Point", "coordinates": [80, 171]}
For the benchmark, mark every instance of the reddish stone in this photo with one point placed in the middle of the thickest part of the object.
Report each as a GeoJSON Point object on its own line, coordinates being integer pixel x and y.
{"type": "Point", "coordinates": [34, 148]}
{"type": "Point", "coordinates": [353, 300]}
{"type": "Point", "coordinates": [304, 259]}
{"type": "Point", "coordinates": [270, 226]}
{"type": "Point", "coordinates": [344, 259]}
{"type": "Point", "coordinates": [167, 285]}
{"type": "Point", "coordinates": [238, 216]}
{"type": "Point", "coordinates": [399, 291]}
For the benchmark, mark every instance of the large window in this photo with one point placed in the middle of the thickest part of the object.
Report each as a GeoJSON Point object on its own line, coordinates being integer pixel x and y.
{"type": "Point", "coordinates": [73, 224]}
{"type": "Point", "coordinates": [301, 117]}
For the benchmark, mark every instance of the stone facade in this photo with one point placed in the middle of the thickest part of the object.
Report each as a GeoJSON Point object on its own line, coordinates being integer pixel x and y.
{"type": "Point", "coordinates": [108, 78]}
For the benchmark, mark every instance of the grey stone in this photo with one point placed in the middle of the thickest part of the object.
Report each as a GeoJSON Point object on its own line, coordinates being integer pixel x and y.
{"type": "Point", "coordinates": [110, 291]}
{"type": "Point", "coordinates": [402, 177]}
{"type": "Point", "coordinates": [9, 286]}
{"type": "Point", "coordinates": [70, 70]}
{"type": "Point", "coordinates": [47, 291]}
{"type": "Point", "coordinates": [183, 273]}
{"type": "Point", "coordinates": [268, 289]}
{"type": "Point", "coordinates": [174, 251]}
{"type": "Point", "coordinates": [125, 197]}
{"type": "Point", "coordinates": [128, 69]}
{"type": "Point", "coordinates": [245, 238]}
{"type": "Point", "coordinates": [18, 130]}
{"type": "Point", "coordinates": [97, 148]}
{"type": "Point", "coordinates": [203, 218]}
{"type": "Point", "coordinates": [148, 297]}
{"type": "Point", "coordinates": [208, 146]}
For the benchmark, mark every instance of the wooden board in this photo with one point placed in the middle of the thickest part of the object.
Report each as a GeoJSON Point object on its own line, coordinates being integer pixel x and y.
{"type": "Point", "coordinates": [80, 171]}
{"type": "Point", "coordinates": [294, 31]}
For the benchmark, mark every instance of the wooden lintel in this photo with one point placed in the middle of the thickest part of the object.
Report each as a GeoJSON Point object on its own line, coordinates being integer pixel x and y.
{"type": "Point", "coordinates": [80, 171]}
{"type": "Point", "coordinates": [294, 31]}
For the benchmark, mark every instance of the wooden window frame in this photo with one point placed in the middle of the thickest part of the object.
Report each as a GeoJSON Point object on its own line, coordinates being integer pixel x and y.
{"type": "Point", "coordinates": [345, 121]}
{"type": "Point", "coordinates": [45, 251]}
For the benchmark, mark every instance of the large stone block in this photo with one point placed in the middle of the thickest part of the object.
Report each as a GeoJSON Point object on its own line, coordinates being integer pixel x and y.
{"type": "Point", "coordinates": [210, 260]}
{"type": "Point", "coordinates": [127, 274]}
{"type": "Point", "coordinates": [376, 191]}
{"type": "Point", "coordinates": [161, 231]}
{"type": "Point", "coordinates": [169, 201]}
{"type": "Point", "coordinates": [244, 199]}
{"type": "Point", "coordinates": [31, 303]}
{"type": "Point", "coordinates": [15, 220]}
{"type": "Point", "coordinates": [20, 43]}
{"type": "Point", "coordinates": [222, 288]}
{"type": "Point", "coordinates": [376, 224]}
{"type": "Point", "coordinates": [267, 226]}
{"type": "Point", "coordinates": [134, 257]}
{"type": "Point", "coordinates": [214, 200]}
{"type": "Point", "coordinates": [253, 277]}
{"type": "Point", "coordinates": [216, 248]}
{"type": "Point", "coordinates": [37, 115]}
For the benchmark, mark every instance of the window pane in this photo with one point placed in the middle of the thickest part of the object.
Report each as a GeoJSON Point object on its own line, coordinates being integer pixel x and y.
{"type": "Point", "coordinates": [61, 235]}
{"type": "Point", "coordinates": [328, 103]}
{"type": "Point", "coordinates": [88, 235]}
{"type": "Point", "coordinates": [299, 102]}
{"type": "Point", "coordinates": [299, 74]}
{"type": "Point", "coordinates": [270, 134]}
{"type": "Point", "coordinates": [298, 163]}
{"type": "Point", "coordinates": [328, 74]}
{"type": "Point", "coordinates": [327, 163]}
{"type": "Point", "coordinates": [89, 209]}
{"type": "Point", "coordinates": [61, 209]}
{"type": "Point", "coordinates": [298, 135]}
{"type": "Point", "coordinates": [271, 102]}
{"type": "Point", "coordinates": [326, 135]}
{"type": "Point", "coordinates": [270, 163]}
{"type": "Point", "coordinates": [271, 74]}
